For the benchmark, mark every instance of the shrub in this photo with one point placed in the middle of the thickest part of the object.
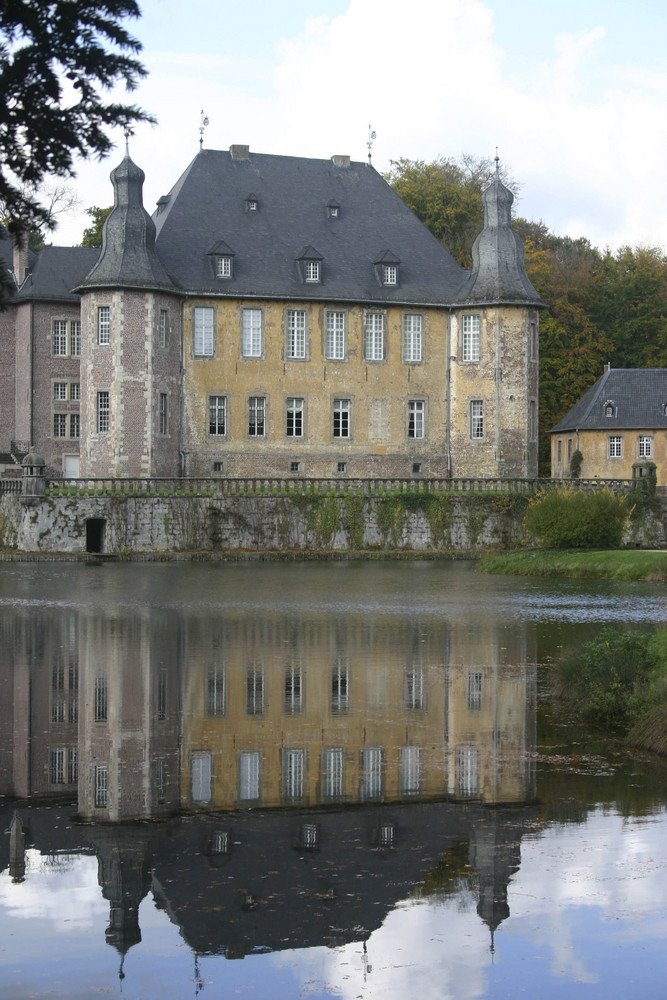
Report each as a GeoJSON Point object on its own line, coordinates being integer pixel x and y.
{"type": "Point", "coordinates": [575, 464]}
{"type": "Point", "coordinates": [571, 519]}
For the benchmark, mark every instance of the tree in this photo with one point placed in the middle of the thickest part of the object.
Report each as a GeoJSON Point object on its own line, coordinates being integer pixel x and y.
{"type": "Point", "coordinates": [56, 57]}
{"type": "Point", "coordinates": [92, 236]}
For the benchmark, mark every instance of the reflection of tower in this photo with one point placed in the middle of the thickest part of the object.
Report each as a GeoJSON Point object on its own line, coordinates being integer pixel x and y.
{"type": "Point", "coordinates": [16, 849]}
{"type": "Point", "coordinates": [495, 854]}
{"type": "Point", "coordinates": [124, 856]}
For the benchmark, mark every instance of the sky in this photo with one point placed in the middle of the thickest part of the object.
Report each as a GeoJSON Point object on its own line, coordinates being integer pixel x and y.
{"type": "Point", "coordinates": [571, 94]}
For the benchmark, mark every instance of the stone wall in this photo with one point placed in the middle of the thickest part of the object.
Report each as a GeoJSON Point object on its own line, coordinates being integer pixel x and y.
{"type": "Point", "coordinates": [300, 523]}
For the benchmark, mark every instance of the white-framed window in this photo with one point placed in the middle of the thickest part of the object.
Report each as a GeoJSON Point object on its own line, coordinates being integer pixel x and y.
{"type": "Point", "coordinates": [293, 702]}
{"type": "Point", "coordinates": [296, 333]}
{"type": "Point", "coordinates": [104, 324]}
{"type": "Point", "coordinates": [203, 331]}
{"type": "Point", "coordinates": [615, 446]}
{"type": "Point", "coordinates": [477, 419]}
{"type": "Point", "coordinates": [389, 274]}
{"type": "Point", "coordinates": [416, 412]}
{"type": "Point", "coordinates": [313, 270]}
{"type": "Point", "coordinates": [334, 343]}
{"type": "Point", "coordinates": [217, 415]}
{"type": "Point", "coordinates": [470, 324]}
{"type": "Point", "coordinates": [645, 446]}
{"type": "Point", "coordinates": [475, 690]}
{"type": "Point", "coordinates": [294, 775]}
{"type": "Point", "coordinates": [294, 416]}
{"type": "Point", "coordinates": [609, 409]}
{"type": "Point", "coordinates": [412, 337]}
{"type": "Point", "coordinates": [163, 413]}
{"type": "Point", "coordinates": [414, 687]}
{"type": "Point", "coordinates": [163, 327]}
{"type": "Point", "coordinates": [75, 425]}
{"type": "Point", "coordinates": [467, 770]}
{"type": "Point", "coordinates": [249, 775]}
{"type": "Point", "coordinates": [333, 773]}
{"type": "Point", "coordinates": [101, 778]}
{"type": "Point", "coordinates": [75, 391]}
{"type": "Point", "coordinates": [371, 772]}
{"type": "Point", "coordinates": [341, 418]}
{"type": "Point", "coordinates": [223, 266]}
{"type": "Point", "coordinates": [410, 770]}
{"type": "Point", "coordinates": [216, 692]}
{"type": "Point", "coordinates": [340, 686]}
{"type": "Point", "coordinates": [59, 337]}
{"type": "Point", "coordinates": [255, 689]}
{"type": "Point", "coordinates": [75, 338]}
{"type": "Point", "coordinates": [59, 425]}
{"type": "Point", "coordinates": [102, 424]}
{"type": "Point", "coordinates": [60, 390]}
{"type": "Point", "coordinates": [374, 337]}
{"type": "Point", "coordinates": [251, 337]}
{"type": "Point", "coordinates": [256, 416]}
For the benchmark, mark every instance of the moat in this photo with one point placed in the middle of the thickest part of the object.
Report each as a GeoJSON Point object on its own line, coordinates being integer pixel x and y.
{"type": "Point", "coordinates": [319, 780]}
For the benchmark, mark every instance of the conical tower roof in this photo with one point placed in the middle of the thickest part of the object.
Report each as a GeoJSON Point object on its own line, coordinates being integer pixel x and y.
{"type": "Point", "coordinates": [128, 257]}
{"type": "Point", "coordinates": [498, 274]}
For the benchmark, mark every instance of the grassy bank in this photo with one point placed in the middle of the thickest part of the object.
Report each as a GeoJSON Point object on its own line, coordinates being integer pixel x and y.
{"type": "Point", "coordinates": [621, 564]}
{"type": "Point", "coordinates": [619, 681]}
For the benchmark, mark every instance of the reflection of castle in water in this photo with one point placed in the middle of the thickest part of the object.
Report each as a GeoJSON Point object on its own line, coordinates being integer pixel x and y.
{"type": "Point", "coordinates": [422, 724]}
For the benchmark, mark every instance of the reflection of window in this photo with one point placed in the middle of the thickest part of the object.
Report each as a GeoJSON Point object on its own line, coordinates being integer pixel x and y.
{"type": "Point", "coordinates": [292, 689]}
{"type": "Point", "coordinates": [339, 687]}
{"type": "Point", "coordinates": [371, 773]}
{"type": "Point", "coordinates": [467, 770]}
{"type": "Point", "coordinates": [58, 693]}
{"type": "Point", "coordinates": [255, 690]}
{"type": "Point", "coordinates": [249, 775]}
{"type": "Point", "coordinates": [414, 687]}
{"type": "Point", "coordinates": [101, 786]}
{"type": "Point", "coordinates": [57, 766]}
{"type": "Point", "coordinates": [215, 691]}
{"type": "Point", "coordinates": [475, 690]}
{"type": "Point", "coordinates": [294, 768]}
{"type": "Point", "coordinates": [410, 771]}
{"type": "Point", "coordinates": [201, 777]}
{"type": "Point", "coordinates": [162, 694]}
{"type": "Point", "coordinates": [333, 773]}
{"type": "Point", "coordinates": [101, 706]}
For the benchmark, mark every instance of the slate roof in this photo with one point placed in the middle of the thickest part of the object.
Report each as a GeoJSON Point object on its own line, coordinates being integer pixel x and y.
{"type": "Point", "coordinates": [209, 205]}
{"type": "Point", "coordinates": [638, 395]}
{"type": "Point", "coordinates": [55, 272]}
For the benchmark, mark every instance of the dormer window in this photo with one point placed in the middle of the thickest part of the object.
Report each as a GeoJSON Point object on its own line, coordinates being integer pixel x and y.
{"type": "Point", "coordinates": [222, 260]}
{"type": "Point", "coordinates": [333, 209]}
{"type": "Point", "coordinates": [609, 408]}
{"type": "Point", "coordinates": [251, 203]}
{"type": "Point", "coordinates": [313, 270]}
{"type": "Point", "coordinates": [387, 269]}
{"type": "Point", "coordinates": [309, 264]}
{"type": "Point", "coordinates": [223, 267]}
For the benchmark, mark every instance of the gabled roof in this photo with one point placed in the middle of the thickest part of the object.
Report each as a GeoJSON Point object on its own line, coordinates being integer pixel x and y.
{"type": "Point", "coordinates": [55, 272]}
{"type": "Point", "coordinates": [208, 204]}
{"type": "Point", "coordinates": [636, 397]}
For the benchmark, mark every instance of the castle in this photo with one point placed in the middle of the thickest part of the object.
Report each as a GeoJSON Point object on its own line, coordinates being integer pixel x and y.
{"type": "Point", "coordinates": [276, 316]}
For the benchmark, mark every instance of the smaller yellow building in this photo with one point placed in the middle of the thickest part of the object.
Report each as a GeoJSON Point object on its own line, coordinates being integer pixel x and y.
{"type": "Point", "coordinates": [619, 426]}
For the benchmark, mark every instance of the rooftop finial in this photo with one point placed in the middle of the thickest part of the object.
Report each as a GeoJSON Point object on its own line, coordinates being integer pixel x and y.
{"type": "Point", "coordinates": [203, 122]}
{"type": "Point", "coordinates": [371, 137]}
{"type": "Point", "coordinates": [497, 162]}
{"type": "Point", "coordinates": [127, 133]}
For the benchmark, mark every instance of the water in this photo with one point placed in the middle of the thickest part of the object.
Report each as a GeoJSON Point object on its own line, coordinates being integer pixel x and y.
{"type": "Point", "coordinates": [318, 780]}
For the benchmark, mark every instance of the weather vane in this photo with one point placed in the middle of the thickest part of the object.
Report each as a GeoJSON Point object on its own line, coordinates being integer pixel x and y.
{"type": "Point", "coordinates": [202, 125]}
{"type": "Point", "coordinates": [127, 133]}
{"type": "Point", "coordinates": [371, 136]}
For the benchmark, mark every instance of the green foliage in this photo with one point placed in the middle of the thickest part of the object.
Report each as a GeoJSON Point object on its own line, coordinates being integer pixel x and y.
{"type": "Point", "coordinates": [610, 677]}
{"type": "Point", "coordinates": [92, 235]}
{"type": "Point", "coordinates": [575, 464]}
{"type": "Point", "coordinates": [573, 519]}
{"type": "Point", "coordinates": [42, 130]}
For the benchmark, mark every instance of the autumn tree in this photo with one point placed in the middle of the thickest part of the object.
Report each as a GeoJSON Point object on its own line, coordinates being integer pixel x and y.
{"type": "Point", "coordinates": [56, 58]}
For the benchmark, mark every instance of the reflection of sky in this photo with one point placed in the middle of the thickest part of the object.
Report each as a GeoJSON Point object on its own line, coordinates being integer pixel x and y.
{"type": "Point", "coordinates": [588, 918]}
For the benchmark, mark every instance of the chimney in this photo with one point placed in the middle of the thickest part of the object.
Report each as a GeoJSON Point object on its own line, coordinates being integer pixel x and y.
{"type": "Point", "coordinates": [607, 367]}
{"type": "Point", "coordinates": [240, 152]}
{"type": "Point", "coordinates": [340, 160]}
{"type": "Point", "coordinates": [20, 258]}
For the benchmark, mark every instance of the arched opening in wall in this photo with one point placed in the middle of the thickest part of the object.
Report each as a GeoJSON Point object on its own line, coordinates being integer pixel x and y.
{"type": "Point", "coordinates": [95, 534]}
